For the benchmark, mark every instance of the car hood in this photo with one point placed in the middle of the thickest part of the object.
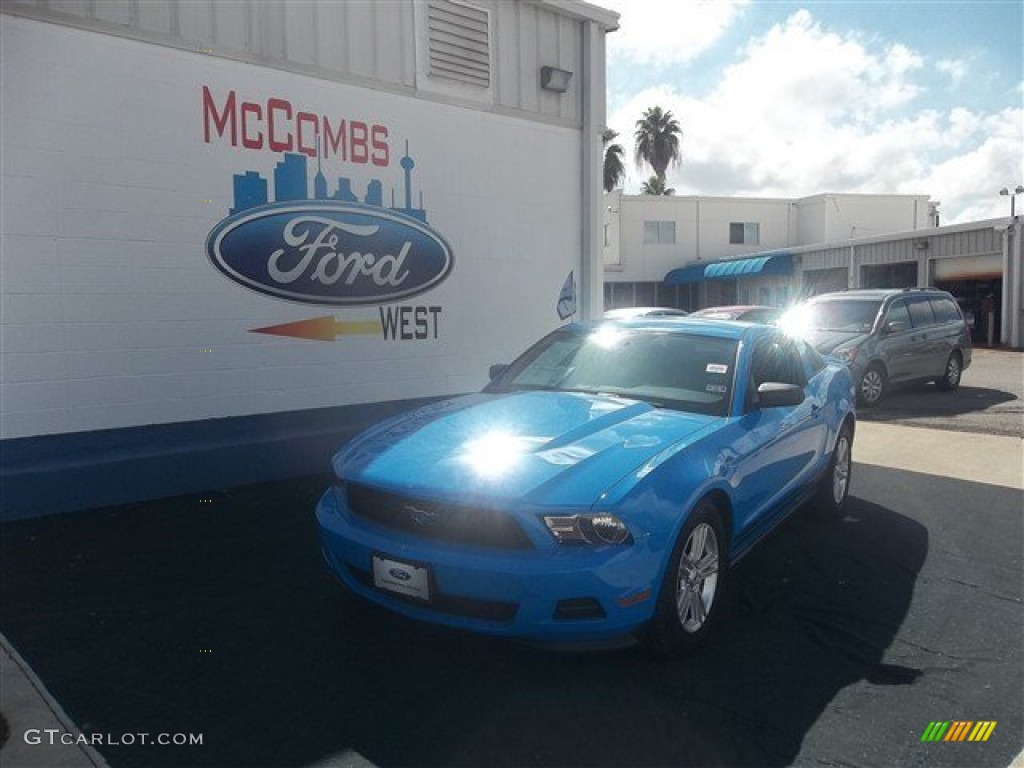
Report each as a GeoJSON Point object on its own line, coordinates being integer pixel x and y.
{"type": "Point", "coordinates": [828, 341]}
{"type": "Point", "coordinates": [545, 448]}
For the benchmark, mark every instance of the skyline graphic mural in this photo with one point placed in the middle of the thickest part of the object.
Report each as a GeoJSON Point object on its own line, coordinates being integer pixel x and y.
{"type": "Point", "coordinates": [291, 183]}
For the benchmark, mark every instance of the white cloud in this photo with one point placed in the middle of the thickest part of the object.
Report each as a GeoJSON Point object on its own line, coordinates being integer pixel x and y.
{"type": "Point", "coordinates": [956, 69]}
{"type": "Point", "coordinates": [805, 110]}
{"type": "Point", "coordinates": [662, 32]}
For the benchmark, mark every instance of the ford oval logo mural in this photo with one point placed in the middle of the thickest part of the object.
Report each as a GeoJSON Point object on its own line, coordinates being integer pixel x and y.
{"type": "Point", "coordinates": [325, 252]}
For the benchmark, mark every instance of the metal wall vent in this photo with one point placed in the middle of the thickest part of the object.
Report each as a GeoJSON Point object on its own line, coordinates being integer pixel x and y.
{"type": "Point", "coordinates": [459, 41]}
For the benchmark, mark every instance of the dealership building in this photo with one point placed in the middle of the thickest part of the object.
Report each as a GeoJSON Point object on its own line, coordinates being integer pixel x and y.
{"type": "Point", "coordinates": [234, 233]}
{"type": "Point", "coordinates": [692, 252]}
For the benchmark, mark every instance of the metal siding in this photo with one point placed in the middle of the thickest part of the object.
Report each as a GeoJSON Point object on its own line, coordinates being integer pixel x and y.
{"type": "Point", "coordinates": [114, 11]}
{"type": "Point", "coordinates": [364, 40]}
{"type": "Point", "coordinates": [300, 38]}
{"type": "Point", "coordinates": [388, 28]}
{"type": "Point", "coordinates": [359, 36]}
{"type": "Point", "coordinates": [506, 58]}
{"type": "Point", "coordinates": [332, 37]}
{"type": "Point", "coordinates": [529, 67]}
{"type": "Point", "coordinates": [232, 23]}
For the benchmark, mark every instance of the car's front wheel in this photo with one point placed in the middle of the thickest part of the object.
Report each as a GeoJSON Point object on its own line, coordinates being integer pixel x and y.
{"type": "Point", "coordinates": [835, 485]}
{"type": "Point", "coordinates": [872, 386]}
{"type": "Point", "coordinates": [692, 587]}
{"type": "Point", "coordinates": [950, 380]}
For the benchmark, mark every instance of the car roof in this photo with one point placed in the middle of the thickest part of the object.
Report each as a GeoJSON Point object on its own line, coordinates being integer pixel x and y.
{"type": "Point", "coordinates": [700, 326]}
{"type": "Point", "coordinates": [878, 293]}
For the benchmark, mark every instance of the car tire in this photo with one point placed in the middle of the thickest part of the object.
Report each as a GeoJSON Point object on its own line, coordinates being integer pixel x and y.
{"type": "Point", "coordinates": [834, 486]}
{"type": "Point", "coordinates": [950, 379]}
{"type": "Point", "coordinates": [692, 587]}
{"type": "Point", "coordinates": [872, 386]}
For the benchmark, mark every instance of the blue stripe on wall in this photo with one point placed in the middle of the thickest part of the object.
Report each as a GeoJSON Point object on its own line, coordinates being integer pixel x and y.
{"type": "Point", "coordinates": [83, 470]}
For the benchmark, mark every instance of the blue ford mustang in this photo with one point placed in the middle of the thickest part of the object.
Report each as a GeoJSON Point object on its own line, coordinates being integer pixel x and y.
{"type": "Point", "coordinates": [599, 486]}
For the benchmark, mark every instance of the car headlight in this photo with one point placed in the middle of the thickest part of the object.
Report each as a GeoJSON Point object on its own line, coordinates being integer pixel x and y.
{"type": "Point", "coordinates": [847, 355]}
{"type": "Point", "coordinates": [601, 528]}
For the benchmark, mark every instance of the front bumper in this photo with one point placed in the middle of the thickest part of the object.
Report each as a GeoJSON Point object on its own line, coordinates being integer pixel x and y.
{"type": "Point", "coordinates": [551, 594]}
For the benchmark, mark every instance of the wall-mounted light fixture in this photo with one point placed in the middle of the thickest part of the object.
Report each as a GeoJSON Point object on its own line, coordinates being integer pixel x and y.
{"type": "Point", "coordinates": [555, 79]}
{"type": "Point", "coordinates": [921, 245]}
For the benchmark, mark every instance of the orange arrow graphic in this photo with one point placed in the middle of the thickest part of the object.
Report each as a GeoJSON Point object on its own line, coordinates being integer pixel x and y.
{"type": "Point", "coordinates": [324, 328]}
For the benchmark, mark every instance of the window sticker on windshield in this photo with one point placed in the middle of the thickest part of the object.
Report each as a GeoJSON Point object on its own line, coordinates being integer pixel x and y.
{"type": "Point", "coordinates": [719, 389]}
{"type": "Point", "coordinates": [717, 368]}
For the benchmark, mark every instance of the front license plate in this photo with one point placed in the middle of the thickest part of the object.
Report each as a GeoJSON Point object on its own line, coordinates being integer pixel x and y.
{"type": "Point", "coordinates": [401, 578]}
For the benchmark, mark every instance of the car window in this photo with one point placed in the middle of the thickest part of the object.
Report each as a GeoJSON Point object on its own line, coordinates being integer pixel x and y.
{"type": "Point", "coordinates": [812, 359]}
{"type": "Point", "coordinates": [898, 312]}
{"type": "Point", "coordinates": [921, 312]}
{"type": "Point", "coordinates": [945, 310]}
{"type": "Point", "coordinates": [848, 315]}
{"type": "Point", "coordinates": [776, 359]}
{"type": "Point", "coordinates": [766, 316]}
{"type": "Point", "coordinates": [686, 372]}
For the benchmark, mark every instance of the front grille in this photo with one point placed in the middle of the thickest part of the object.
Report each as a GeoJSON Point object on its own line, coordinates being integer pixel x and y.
{"type": "Point", "coordinates": [469, 607]}
{"type": "Point", "coordinates": [435, 521]}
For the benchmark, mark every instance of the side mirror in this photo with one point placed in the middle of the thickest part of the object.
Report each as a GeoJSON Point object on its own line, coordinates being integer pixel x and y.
{"type": "Point", "coordinates": [896, 326]}
{"type": "Point", "coordinates": [497, 369]}
{"type": "Point", "coordinates": [773, 394]}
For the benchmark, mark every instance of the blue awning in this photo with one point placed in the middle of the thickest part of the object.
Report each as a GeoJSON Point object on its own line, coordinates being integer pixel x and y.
{"type": "Point", "coordinates": [775, 264]}
{"type": "Point", "coordinates": [693, 273]}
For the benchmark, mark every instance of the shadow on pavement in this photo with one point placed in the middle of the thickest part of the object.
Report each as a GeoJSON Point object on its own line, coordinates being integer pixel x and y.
{"type": "Point", "coordinates": [215, 615]}
{"type": "Point", "coordinates": [927, 401]}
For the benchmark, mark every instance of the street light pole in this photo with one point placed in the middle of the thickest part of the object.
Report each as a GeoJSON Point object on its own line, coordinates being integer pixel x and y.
{"type": "Point", "coordinates": [1005, 192]}
{"type": "Point", "coordinates": [1013, 279]}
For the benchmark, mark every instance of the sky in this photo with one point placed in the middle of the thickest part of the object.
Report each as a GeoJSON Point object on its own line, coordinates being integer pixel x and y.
{"type": "Point", "coordinates": [789, 99]}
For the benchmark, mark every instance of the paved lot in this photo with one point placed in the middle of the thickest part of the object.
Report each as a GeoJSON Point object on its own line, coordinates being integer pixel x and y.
{"type": "Point", "coordinates": [213, 615]}
{"type": "Point", "coordinates": [990, 399]}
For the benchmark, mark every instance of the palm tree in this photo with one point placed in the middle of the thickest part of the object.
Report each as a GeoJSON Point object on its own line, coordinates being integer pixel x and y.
{"type": "Point", "coordinates": [657, 141]}
{"type": "Point", "coordinates": [614, 167]}
{"type": "Point", "coordinates": [656, 186]}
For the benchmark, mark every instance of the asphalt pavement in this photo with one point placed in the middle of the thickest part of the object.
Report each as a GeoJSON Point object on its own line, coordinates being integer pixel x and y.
{"type": "Point", "coordinates": [841, 641]}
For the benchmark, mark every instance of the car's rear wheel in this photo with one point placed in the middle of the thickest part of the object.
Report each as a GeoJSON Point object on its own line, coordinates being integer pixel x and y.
{"type": "Point", "coordinates": [692, 586]}
{"type": "Point", "coordinates": [950, 380]}
{"type": "Point", "coordinates": [835, 485]}
{"type": "Point", "coordinates": [872, 386]}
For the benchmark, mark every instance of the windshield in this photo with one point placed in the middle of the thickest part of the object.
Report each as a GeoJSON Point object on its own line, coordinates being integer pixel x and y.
{"type": "Point", "coordinates": [851, 315]}
{"type": "Point", "coordinates": [672, 370]}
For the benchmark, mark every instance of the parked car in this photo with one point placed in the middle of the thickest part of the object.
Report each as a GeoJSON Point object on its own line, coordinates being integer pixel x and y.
{"type": "Point", "coordinates": [747, 313]}
{"type": "Point", "coordinates": [599, 486]}
{"type": "Point", "coordinates": [626, 313]}
{"type": "Point", "coordinates": [888, 337]}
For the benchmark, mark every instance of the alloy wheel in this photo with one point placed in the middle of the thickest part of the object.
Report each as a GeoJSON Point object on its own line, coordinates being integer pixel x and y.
{"type": "Point", "coordinates": [871, 386]}
{"type": "Point", "coordinates": [697, 577]}
{"type": "Point", "coordinates": [841, 470]}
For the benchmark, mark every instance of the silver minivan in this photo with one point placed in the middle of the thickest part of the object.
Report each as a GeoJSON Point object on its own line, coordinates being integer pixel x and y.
{"type": "Point", "coordinates": [888, 337]}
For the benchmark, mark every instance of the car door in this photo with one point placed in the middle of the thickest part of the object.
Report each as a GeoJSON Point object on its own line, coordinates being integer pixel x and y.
{"type": "Point", "coordinates": [928, 359]}
{"type": "Point", "coordinates": [780, 446]}
{"type": "Point", "coordinates": [897, 343]}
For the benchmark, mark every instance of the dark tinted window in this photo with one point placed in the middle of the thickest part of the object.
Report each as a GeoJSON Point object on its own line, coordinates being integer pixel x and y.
{"type": "Point", "coordinates": [921, 312]}
{"type": "Point", "coordinates": [776, 359]}
{"type": "Point", "coordinates": [850, 315]}
{"type": "Point", "coordinates": [813, 361]}
{"type": "Point", "coordinates": [945, 310]}
{"type": "Point", "coordinates": [898, 313]}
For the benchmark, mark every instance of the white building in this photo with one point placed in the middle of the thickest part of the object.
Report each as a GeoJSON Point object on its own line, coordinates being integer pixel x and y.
{"type": "Point", "coordinates": [235, 232]}
{"type": "Point", "coordinates": [694, 252]}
